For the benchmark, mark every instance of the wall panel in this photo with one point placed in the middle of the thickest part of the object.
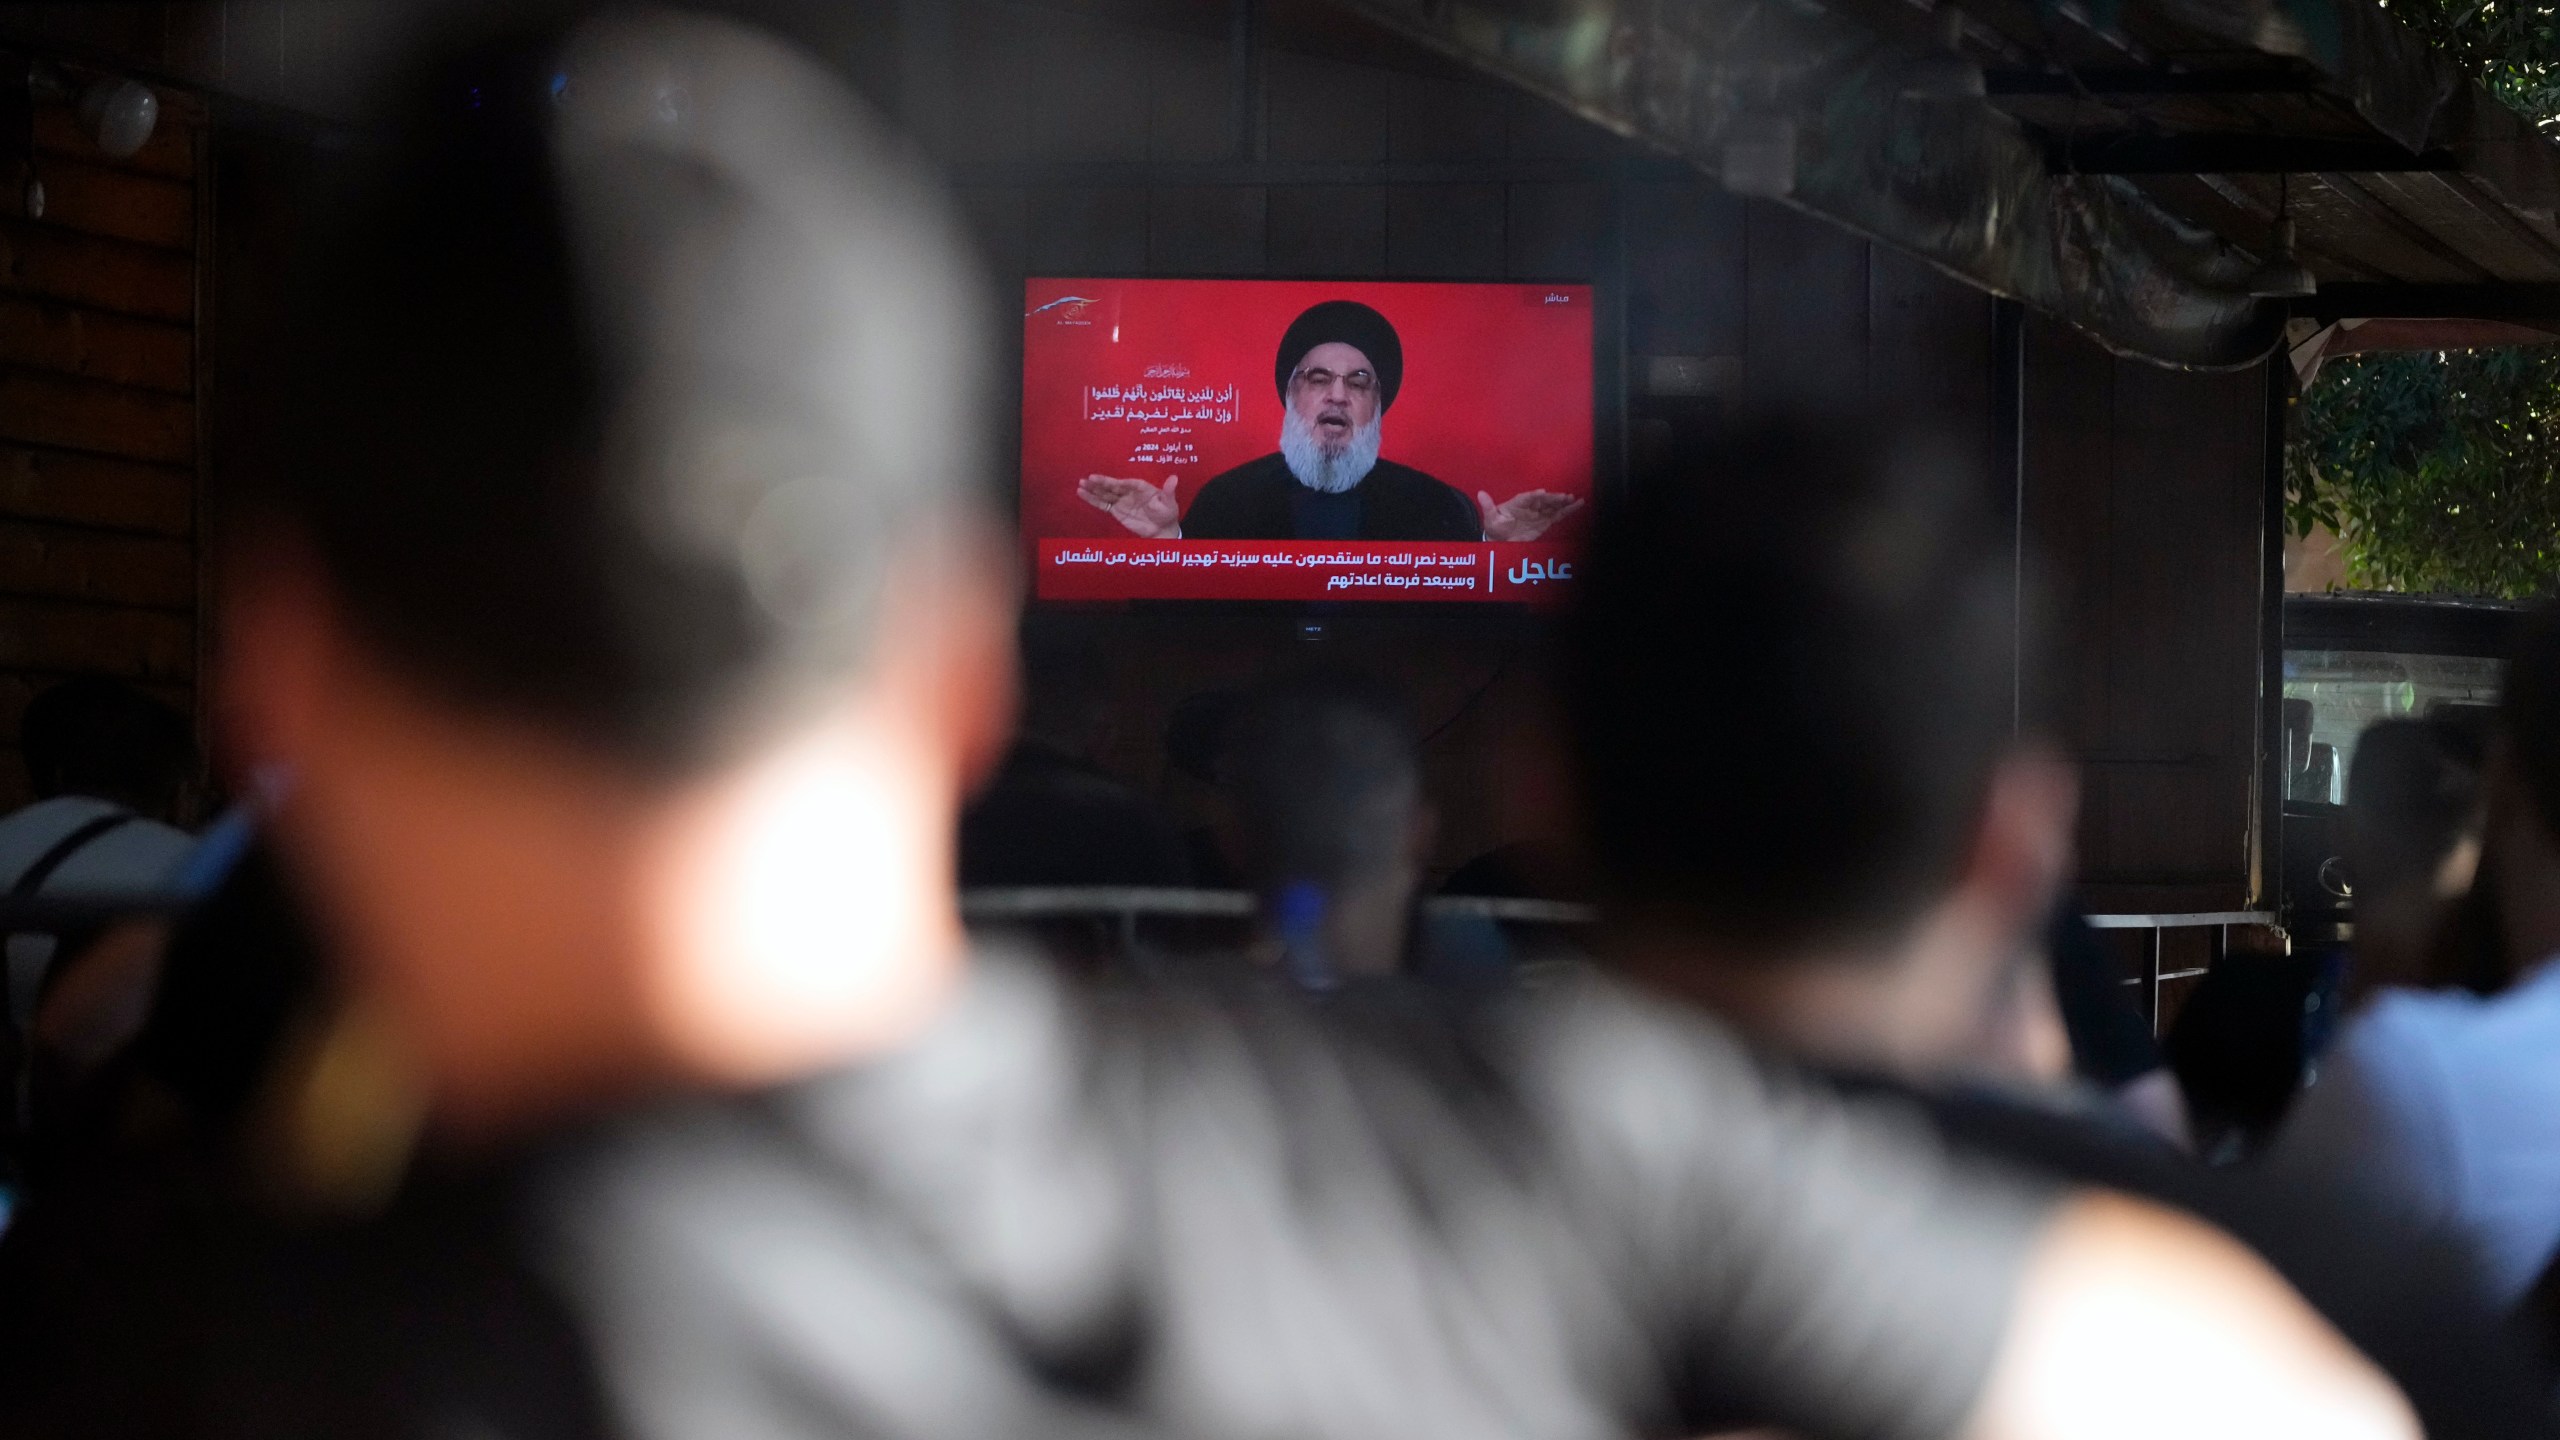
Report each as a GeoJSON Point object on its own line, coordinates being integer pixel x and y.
{"type": "Point", "coordinates": [2144, 494]}
{"type": "Point", "coordinates": [99, 419]}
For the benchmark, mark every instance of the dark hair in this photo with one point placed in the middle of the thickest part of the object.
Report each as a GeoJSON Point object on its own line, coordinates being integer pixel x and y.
{"type": "Point", "coordinates": [105, 739]}
{"type": "Point", "coordinates": [1790, 677]}
{"type": "Point", "coordinates": [1321, 772]}
{"type": "Point", "coordinates": [2412, 792]}
{"type": "Point", "coordinates": [636, 356]}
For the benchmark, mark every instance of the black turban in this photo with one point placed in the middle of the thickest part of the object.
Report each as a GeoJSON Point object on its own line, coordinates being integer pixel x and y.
{"type": "Point", "coordinates": [1355, 325]}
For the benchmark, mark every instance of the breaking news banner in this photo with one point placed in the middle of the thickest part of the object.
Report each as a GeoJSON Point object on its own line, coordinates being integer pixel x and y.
{"type": "Point", "coordinates": [1305, 440]}
{"type": "Point", "coordinates": [1301, 570]}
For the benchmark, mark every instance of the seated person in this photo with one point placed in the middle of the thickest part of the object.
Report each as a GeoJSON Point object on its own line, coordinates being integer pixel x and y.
{"type": "Point", "coordinates": [1826, 827]}
{"type": "Point", "coordinates": [1051, 815]}
{"type": "Point", "coordinates": [2445, 1105]}
{"type": "Point", "coordinates": [1327, 821]}
{"type": "Point", "coordinates": [2412, 847]}
{"type": "Point", "coordinates": [108, 765]}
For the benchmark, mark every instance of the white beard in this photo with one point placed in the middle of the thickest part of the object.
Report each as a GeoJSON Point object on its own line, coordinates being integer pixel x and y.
{"type": "Point", "coordinates": [1328, 473]}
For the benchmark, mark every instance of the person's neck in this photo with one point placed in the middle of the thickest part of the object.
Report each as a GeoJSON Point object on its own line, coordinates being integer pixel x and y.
{"type": "Point", "coordinates": [787, 915]}
{"type": "Point", "coordinates": [1888, 1006]}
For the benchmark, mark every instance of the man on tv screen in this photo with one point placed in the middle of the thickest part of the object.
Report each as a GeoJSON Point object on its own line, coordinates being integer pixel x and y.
{"type": "Point", "coordinates": [1338, 370]}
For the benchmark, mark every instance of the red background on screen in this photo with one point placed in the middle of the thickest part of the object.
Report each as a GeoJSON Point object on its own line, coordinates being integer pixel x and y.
{"type": "Point", "coordinates": [1496, 393]}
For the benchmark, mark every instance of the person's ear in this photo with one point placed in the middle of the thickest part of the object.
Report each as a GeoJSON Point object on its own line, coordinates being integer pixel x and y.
{"type": "Point", "coordinates": [2022, 849]}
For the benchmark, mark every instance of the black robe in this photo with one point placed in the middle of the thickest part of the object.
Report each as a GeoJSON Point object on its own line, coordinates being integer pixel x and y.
{"type": "Point", "coordinates": [1258, 500]}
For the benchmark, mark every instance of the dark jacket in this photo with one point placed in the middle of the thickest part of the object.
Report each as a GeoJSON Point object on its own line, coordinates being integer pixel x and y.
{"type": "Point", "coordinates": [1396, 502]}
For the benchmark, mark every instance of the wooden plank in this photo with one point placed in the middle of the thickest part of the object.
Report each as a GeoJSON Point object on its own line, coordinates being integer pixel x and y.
{"type": "Point", "coordinates": [1087, 92]}
{"type": "Point", "coordinates": [97, 199]}
{"type": "Point", "coordinates": [1805, 310]}
{"type": "Point", "coordinates": [1555, 232]}
{"type": "Point", "coordinates": [1191, 112]}
{"type": "Point", "coordinates": [1095, 231]}
{"type": "Point", "coordinates": [1445, 232]}
{"type": "Point", "coordinates": [1000, 218]}
{"type": "Point", "coordinates": [58, 563]}
{"type": "Point", "coordinates": [2172, 825]}
{"type": "Point", "coordinates": [974, 103]}
{"type": "Point", "coordinates": [1324, 112]}
{"type": "Point", "coordinates": [170, 152]}
{"type": "Point", "coordinates": [2143, 496]}
{"type": "Point", "coordinates": [75, 638]}
{"type": "Point", "coordinates": [2190, 469]}
{"type": "Point", "coordinates": [94, 345]}
{"type": "Point", "coordinates": [57, 485]}
{"type": "Point", "coordinates": [2070, 474]}
{"type": "Point", "coordinates": [1205, 229]}
{"type": "Point", "coordinates": [68, 414]}
{"type": "Point", "coordinates": [1929, 354]}
{"type": "Point", "coordinates": [112, 275]}
{"type": "Point", "coordinates": [1685, 269]}
{"type": "Point", "coordinates": [1327, 231]}
{"type": "Point", "coordinates": [1431, 118]}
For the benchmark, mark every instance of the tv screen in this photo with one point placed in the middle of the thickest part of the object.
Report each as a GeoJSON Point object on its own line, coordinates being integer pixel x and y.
{"type": "Point", "coordinates": [1303, 440]}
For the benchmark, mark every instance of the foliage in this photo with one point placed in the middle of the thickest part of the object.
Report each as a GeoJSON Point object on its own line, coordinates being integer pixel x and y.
{"type": "Point", "coordinates": [2513, 48]}
{"type": "Point", "coordinates": [2440, 470]}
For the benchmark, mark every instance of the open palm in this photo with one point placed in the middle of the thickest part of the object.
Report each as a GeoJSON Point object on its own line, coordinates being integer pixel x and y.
{"type": "Point", "coordinates": [1144, 510]}
{"type": "Point", "coordinates": [1524, 516]}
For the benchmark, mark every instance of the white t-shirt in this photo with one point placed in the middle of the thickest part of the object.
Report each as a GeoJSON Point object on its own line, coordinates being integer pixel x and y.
{"type": "Point", "coordinates": [138, 857]}
{"type": "Point", "coordinates": [2445, 1107]}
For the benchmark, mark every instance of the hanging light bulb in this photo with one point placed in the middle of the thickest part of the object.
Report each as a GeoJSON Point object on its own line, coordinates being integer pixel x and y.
{"type": "Point", "coordinates": [2283, 276]}
{"type": "Point", "coordinates": [119, 114]}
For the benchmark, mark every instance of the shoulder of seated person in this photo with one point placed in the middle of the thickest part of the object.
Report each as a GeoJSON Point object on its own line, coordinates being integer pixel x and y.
{"type": "Point", "coordinates": [29, 831]}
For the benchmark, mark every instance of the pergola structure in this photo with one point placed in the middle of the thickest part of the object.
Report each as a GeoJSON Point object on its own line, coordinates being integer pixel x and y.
{"type": "Point", "coordinates": [2120, 166]}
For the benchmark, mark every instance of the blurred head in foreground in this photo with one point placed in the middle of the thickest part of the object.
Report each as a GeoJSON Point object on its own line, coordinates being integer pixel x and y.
{"type": "Point", "coordinates": [1805, 785]}
{"type": "Point", "coordinates": [2413, 843]}
{"type": "Point", "coordinates": [1328, 822]}
{"type": "Point", "coordinates": [621, 607]}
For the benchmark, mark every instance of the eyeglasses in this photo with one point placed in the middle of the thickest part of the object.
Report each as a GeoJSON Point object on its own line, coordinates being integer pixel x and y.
{"type": "Point", "coordinates": [1358, 382]}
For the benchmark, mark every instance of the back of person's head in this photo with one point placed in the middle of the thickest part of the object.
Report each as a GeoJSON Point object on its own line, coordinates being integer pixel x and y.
{"type": "Point", "coordinates": [637, 357]}
{"type": "Point", "coordinates": [104, 739]}
{"type": "Point", "coordinates": [1791, 679]}
{"type": "Point", "coordinates": [2413, 794]}
{"type": "Point", "coordinates": [1324, 786]}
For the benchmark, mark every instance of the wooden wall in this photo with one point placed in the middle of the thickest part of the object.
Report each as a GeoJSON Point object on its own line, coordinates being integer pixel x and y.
{"type": "Point", "coordinates": [2146, 488]}
{"type": "Point", "coordinates": [99, 414]}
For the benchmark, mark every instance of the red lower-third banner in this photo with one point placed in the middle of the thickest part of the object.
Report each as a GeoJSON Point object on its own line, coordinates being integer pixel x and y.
{"type": "Point", "coordinates": [1301, 570]}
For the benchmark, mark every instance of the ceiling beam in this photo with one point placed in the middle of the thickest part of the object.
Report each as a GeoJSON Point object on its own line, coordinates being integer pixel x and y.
{"type": "Point", "coordinates": [2127, 82]}
{"type": "Point", "coordinates": [2357, 300]}
{"type": "Point", "coordinates": [2231, 155]}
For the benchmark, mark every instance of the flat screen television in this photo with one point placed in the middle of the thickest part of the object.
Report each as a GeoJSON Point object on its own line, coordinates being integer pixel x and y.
{"type": "Point", "coordinates": [1305, 440]}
